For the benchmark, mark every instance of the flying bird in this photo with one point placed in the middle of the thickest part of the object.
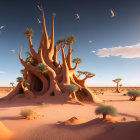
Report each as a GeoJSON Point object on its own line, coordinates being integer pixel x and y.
{"type": "Point", "coordinates": [1, 27]}
{"type": "Point", "coordinates": [39, 22]}
{"type": "Point", "coordinates": [39, 7]}
{"type": "Point", "coordinates": [77, 16]}
{"type": "Point", "coordinates": [112, 13]}
{"type": "Point", "coordinates": [13, 51]}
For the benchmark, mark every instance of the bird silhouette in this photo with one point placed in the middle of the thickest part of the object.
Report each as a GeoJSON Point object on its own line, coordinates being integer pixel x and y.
{"type": "Point", "coordinates": [39, 22]}
{"type": "Point", "coordinates": [77, 16]}
{"type": "Point", "coordinates": [112, 13]}
{"type": "Point", "coordinates": [13, 51]}
{"type": "Point", "coordinates": [1, 27]}
{"type": "Point", "coordinates": [39, 7]}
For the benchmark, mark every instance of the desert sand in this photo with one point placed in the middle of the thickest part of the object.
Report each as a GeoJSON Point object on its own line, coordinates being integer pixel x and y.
{"type": "Point", "coordinates": [86, 126]}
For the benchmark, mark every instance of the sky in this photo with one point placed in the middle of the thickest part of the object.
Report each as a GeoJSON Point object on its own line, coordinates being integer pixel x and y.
{"type": "Point", "coordinates": [108, 46]}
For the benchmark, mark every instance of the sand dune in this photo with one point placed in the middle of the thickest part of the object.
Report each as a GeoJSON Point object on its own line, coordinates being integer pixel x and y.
{"type": "Point", "coordinates": [5, 133]}
{"type": "Point", "coordinates": [85, 125]}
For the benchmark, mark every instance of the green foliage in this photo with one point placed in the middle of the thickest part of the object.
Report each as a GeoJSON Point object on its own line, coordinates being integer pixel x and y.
{"type": "Point", "coordinates": [26, 83]}
{"type": "Point", "coordinates": [12, 84]}
{"type": "Point", "coordinates": [53, 14]}
{"type": "Point", "coordinates": [58, 42]}
{"type": "Point", "coordinates": [26, 112]}
{"type": "Point", "coordinates": [80, 72]}
{"type": "Point", "coordinates": [29, 32]}
{"type": "Point", "coordinates": [20, 79]}
{"type": "Point", "coordinates": [77, 60]}
{"type": "Point", "coordinates": [42, 68]}
{"type": "Point", "coordinates": [88, 73]}
{"type": "Point", "coordinates": [72, 51]}
{"type": "Point", "coordinates": [117, 80]}
{"type": "Point", "coordinates": [135, 93]}
{"type": "Point", "coordinates": [29, 60]}
{"type": "Point", "coordinates": [120, 85]}
{"type": "Point", "coordinates": [106, 109]}
{"type": "Point", "coordinates": [71, 88]}
{"type": "Point", "coordinates": [42, 104]}
{"type": "Point", "coordinates": [71, 39]}
{"type": "Point", "coordinates": [22, 71]}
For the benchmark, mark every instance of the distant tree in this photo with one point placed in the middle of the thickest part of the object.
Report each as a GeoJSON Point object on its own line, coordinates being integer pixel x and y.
{"type": "Point", "coordinates": [22, 71]}
{"type": "Point", "coordinates": [133, 94]}
{"type": "Point", "coordinates": [120, 85]}
{"type": "Point", "coordinates": [12, 84]}
{"type": "Point", "coordinates": [106, 110]}
{"type": "Point", "coordinates": [117, 81]}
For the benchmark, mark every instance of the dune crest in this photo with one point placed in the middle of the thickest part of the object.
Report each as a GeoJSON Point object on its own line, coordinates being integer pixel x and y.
{"type": "Point", "coordinates": [72, 121]}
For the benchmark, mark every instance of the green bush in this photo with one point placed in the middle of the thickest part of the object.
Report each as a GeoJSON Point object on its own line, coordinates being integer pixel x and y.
{"type": "Point", "coordinates": [26, 112]}
{"type": "Point", "coordinates": [71, 88]}
{"type": "Point", "coordinates": [20, 79]}
{"type": "Point", "coordinates": [106, 110]}
{"type": "Point", "coordinates": [133, 94]}
{"type": "Point", "coordinates": [42, 68]}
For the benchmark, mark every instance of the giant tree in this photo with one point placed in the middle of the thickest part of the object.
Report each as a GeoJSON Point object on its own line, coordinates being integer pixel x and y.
{"type": "Point", "coordinates": [44, 76]}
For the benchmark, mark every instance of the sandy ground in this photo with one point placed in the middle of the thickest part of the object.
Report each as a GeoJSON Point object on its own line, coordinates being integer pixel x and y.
{"type": "Point", "coordinates": [45, 128]}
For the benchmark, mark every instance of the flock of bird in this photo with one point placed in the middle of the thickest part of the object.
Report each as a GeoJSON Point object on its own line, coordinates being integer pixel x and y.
{"type": "Point", "coordinates": [39, 22]}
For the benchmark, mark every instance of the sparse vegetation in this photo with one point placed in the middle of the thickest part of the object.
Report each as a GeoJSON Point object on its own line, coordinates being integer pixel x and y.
{"type": "Point", "coordinates": [106, 110]}
{"type": "Point", "coordinates": [133, 94]}
{"type": "Point", "coordinates": [42, 68]}
{"type": "Point", "coordinates": [71, 88]}
{"type": "Point", "coordinates": [29, 32]}
{"type": "Point", "coordinates": [12, 84]}
{"type": "Point", "coordinates": [26, 112]}
{"type": "Point", "coordinates": [101, 91]}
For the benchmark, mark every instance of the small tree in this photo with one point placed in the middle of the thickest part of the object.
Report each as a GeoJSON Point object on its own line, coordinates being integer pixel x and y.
{"type": "Point", "coordinates": [133, 94]}
{"type": "Point", "coordinates": [117, 81]}
{"type": "Point", "coordinates": [72, 89]}
{"type": "Point", "coordinates": [77, 60]}
{"type": "Point", "coordinates": [120, 85]}
{"type": "Point", "coordinates": [12, 84]}
{"type": "Point", "coordinates": [106, 110]}
{"type": "Point", "coordinates": [29, 32]}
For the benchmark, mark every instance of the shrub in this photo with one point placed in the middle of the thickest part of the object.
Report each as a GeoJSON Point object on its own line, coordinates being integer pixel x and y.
{"type": "Point", "coordinates": [43, 104]}
{"type": "Point", "coordinates": [133, 94]}
{"type": "Point", "coordinates": [26, 112]}
{"type": "Point", "coordinates": [42, 68]}
{"type": "Point", "coordinates": [20, 79]}
{"type": "Point", "coordinates": [106, 110]}
{"type": "Point", "coordinates": [71, 88]}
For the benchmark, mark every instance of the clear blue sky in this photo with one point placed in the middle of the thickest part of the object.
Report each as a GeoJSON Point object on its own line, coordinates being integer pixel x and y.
{"type": "Point", "coordinates": [95, 24]}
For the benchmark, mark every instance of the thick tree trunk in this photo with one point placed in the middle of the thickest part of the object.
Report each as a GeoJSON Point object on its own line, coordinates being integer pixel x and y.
{"type": "Point", "coordinates": [104, 116]}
